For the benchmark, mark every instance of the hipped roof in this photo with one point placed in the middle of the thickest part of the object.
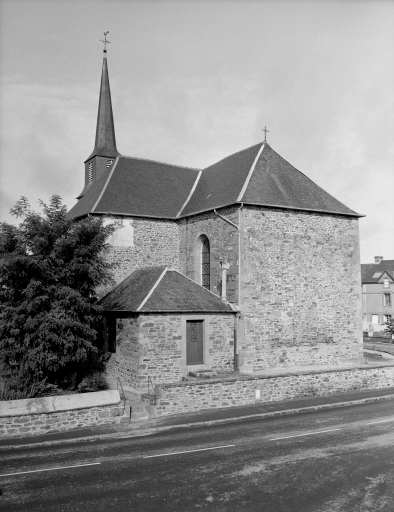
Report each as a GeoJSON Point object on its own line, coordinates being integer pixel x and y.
{"type": "Point", "coordinates": [161, 289]}
{"type": "Point", "coordinates": [372, 272]}
{"type": "Point", "coordinates": [256, 176]}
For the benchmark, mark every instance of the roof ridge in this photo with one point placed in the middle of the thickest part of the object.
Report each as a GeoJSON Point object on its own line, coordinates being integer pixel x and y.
{"type": "Point", "coordinates": [159, 162]}
{"type": "Point", "coordinates": [250, 173]}
{"type": "Point", "coordinates": [233, 154]}
{"type": "Point", "coordinates": [190, 193]}
{"type": "Point", "coordinates": [152, 289]}
{"type": "Point", "coordinates": [105, 185]}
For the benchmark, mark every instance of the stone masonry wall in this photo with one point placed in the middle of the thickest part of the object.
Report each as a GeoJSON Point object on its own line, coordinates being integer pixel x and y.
{"type": "Point", "coordinates": [223, 240]}
{"type": "Point", "coordinates": [148, 345]}
{"type": "Point", "coordinates": [301, 293]}
{"type": "Point", "coordinates": [34, 424]}
{"type": "Point", "coordinates": [219, 343]}
{"type": "Point", "coordinates": [125, 363]}
{"type": "Point", "coordinates": [154, 345]}
{"type": "Point", "coordinates": [213, 394]}
{"type": "Point", "coordinates": [146, 242]}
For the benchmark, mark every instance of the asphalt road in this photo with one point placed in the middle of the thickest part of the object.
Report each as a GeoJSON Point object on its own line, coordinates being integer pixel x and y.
{"type": "Point", "coordinates": [333, 461]}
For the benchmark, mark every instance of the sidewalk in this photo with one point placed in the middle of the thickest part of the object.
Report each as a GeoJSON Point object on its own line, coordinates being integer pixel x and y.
{"type": "Point", "coordinates": [202, 418]}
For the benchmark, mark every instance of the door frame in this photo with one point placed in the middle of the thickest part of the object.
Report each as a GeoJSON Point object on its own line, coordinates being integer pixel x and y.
{"type": "Point", "coordinates": [202, 321]}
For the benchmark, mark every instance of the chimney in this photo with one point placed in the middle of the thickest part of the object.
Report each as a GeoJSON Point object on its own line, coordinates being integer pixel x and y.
{"type": "Point", "coordinates": [378, 259]}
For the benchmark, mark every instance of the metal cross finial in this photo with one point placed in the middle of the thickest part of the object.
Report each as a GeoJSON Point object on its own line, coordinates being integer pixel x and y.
{"type": "Point", "coordinates": [105, 41]}
{"type": "Point", "coordinates": [265, 133]}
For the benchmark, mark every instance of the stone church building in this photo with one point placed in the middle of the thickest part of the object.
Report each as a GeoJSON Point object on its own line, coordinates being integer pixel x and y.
{"type": "Point", "coordinates": [246, 265]}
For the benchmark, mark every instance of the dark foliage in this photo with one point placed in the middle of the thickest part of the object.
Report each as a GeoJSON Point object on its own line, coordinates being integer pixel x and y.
{"type": "Point", "coordinates": [50, 268]}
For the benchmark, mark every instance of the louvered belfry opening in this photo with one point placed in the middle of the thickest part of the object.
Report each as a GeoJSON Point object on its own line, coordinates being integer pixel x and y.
{"type": "Point", "coordinates": [90, 175]}
{"type": "Point", "coordinates": [206, 264]}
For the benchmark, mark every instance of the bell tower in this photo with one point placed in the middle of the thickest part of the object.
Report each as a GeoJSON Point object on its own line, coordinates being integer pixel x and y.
{"type": "Point", "coordinates": [104, 153]}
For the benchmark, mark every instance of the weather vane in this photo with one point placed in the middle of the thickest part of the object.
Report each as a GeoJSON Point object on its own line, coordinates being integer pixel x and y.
{"type": "Point", "coordinates": [265, 133]}
{"type": "Point", "coordinates": [105, 41]}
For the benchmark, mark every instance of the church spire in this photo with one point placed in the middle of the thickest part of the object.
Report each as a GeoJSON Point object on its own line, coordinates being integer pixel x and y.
{"type": "Point", "coordinates": [105, 144]}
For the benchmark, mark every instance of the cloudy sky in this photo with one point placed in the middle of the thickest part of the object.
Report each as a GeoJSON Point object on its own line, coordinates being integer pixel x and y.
{"type": "Point", "coordinates": [194, 81]}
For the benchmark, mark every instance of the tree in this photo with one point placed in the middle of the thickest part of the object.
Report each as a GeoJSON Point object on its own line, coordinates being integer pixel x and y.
{"type": "Point", "coordinates": [389, 325]}
{"type": "Point", "coordinates": [50, 268]}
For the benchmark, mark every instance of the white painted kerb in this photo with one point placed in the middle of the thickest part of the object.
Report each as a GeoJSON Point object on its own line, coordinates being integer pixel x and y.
{"type": "Point", "coordinates": [49, 404]}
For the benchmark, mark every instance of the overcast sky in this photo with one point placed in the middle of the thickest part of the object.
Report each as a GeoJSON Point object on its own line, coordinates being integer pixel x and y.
{"type": "Point", "coordinates": [194, 81]}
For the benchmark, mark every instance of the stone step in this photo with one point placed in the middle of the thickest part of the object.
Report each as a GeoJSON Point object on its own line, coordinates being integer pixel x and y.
{"type": "Point", "coordinates": [136, 413]}
{"type": "Point", "coordinates": [143, 415]}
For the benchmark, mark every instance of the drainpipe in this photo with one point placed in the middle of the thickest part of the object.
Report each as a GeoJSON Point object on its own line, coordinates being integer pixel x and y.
{"type": "Point", "coordinates": [236, 336]}
{"type": "Point", "coordinates": [239, 314]}
{"type": "Point", "coordinates": [225, 267]}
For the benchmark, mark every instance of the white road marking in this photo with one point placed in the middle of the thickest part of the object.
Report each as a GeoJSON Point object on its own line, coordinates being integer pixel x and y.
{"type": "Point", "coordinates": [381, 421]}
{"type": "Point", "coordinates": [51, 469]}
{"type": "Point", "coordinates": [308, 434]}
{"type": "Point", "coordinates": [190, 451]}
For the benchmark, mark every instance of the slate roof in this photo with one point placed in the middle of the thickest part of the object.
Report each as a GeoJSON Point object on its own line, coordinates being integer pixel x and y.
{"type": "Point", "coordinates": [221, 183]}
{"type": "Point", "coordinates": [138, 187]}
{"type": "Point", "coordinates": [256, 175]}
{"type": "Point", "coordinates": [105, 143]}
{"type": "Point", "coordinates": [371, 272]}
{"type": "Point", "coordinates": [161, 289]}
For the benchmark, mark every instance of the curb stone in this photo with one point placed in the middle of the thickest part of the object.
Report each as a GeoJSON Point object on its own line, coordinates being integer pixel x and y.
{"type": "Point", "coordinates": [166, 428]}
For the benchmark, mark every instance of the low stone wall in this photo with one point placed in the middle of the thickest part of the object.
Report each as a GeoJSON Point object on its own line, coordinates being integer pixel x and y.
{"type": "Point", "coordinates": [214, 394]}
{"type": "Point", "coordinates": [59, 413]}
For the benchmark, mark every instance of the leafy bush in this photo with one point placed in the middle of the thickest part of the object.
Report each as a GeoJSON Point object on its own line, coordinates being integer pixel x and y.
{"type": "Point", "coordinates": [93, 382]}
{"type": "Point", "coordinates": [17, 387]}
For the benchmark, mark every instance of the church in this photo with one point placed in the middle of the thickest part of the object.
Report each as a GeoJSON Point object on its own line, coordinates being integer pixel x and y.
{"type": "Point", "coordinates": [242, 267]}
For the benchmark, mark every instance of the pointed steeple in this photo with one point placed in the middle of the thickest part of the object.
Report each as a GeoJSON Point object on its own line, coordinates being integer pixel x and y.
{"type": "Point", "coordinates": [105, 145]}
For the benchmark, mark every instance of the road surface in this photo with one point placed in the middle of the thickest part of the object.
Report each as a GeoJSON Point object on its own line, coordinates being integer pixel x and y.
{"type": "Point", "coordinates": [332, 461]}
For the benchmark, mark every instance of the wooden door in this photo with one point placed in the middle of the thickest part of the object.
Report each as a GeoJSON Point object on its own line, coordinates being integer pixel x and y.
{"type": "Point", "coordinates": [194, 342]}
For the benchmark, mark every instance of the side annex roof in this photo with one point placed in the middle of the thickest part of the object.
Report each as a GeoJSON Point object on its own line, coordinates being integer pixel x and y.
{"type": "Point", "coordinates": [161, 289]}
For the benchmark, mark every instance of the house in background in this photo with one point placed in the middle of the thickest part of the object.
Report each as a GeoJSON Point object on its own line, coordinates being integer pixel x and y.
{"type": "Point", "coordinates": [377, 281]}
{"type": "Point", "coordinates": [246, 264]}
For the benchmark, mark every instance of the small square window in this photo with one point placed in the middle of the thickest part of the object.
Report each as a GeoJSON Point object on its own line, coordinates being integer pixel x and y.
{"type": "Point", "coordinates": [386, 299]}
{"type": "Point", "coordinates": [386, 318]}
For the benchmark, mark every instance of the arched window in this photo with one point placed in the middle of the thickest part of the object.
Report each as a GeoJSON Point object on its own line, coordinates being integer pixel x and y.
{"type": "Point", "coordinates": [202, 262]}
{"type": "Point", "coordinates": [205, 263]}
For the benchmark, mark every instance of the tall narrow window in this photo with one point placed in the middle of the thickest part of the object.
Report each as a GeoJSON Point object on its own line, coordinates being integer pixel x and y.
{"type": "Point", "coordinates": [90, 174]}
{"type": "Point", "coordinates": [386, 299]}
{"type": "Point", "coordinates": [205, 264]}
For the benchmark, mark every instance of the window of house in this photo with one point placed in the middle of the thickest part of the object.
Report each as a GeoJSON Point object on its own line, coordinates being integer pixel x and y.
{"type": "Point", "coordinates": [90, 174]}
{"type": "Point", "coordinates": [374, 319]}
{"type": "Point", "coordinates": [386, 299]}
{"type": "Point", "coordinates": [386, 283]}
{"type": "Point", "coordinates": [386, 318]}
{"type": "Point", "coordinates": [202, 261]}
{"type": "Point", "coordinates": [205, 264]}
{"type": "Point", "coordinates": [109, 163]}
